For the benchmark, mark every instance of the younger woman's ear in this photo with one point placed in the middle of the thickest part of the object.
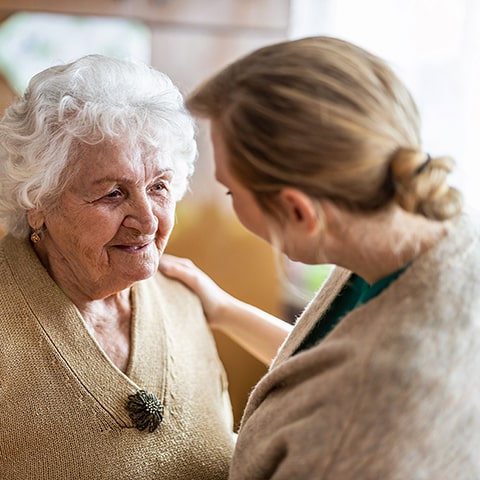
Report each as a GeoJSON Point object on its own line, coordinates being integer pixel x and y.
{"type": "Point", "coordinates": [300, 209]}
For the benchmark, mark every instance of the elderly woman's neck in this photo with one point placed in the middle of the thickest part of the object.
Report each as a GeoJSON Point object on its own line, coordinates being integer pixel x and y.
{"type": "Point", "coordinates": [109, 321]}
{"type": "Point", "coordinates": [107, 314]}
{"type": "Point", "coordinates": [375, 245]}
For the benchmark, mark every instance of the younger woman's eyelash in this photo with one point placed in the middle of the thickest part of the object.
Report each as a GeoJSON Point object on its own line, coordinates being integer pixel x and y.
{"type": "Point", "coordinates": [228, 192]}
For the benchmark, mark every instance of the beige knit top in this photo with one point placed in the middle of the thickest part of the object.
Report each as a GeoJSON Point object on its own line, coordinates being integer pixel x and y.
{"type": "Point", "coordinates": [392, 393]}
{"type": "Point", "coordinates": [62, 401]}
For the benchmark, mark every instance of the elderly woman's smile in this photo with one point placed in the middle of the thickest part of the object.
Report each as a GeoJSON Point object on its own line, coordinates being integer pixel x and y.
{"type": "Point", "coordinates": [133, 248]}
{"type": "Point", "coordinates": [130, 197]}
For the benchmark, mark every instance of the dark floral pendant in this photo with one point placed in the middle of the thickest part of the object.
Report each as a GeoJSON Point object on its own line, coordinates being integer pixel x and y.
{"type": "Point", "coordinates": [145, 410]}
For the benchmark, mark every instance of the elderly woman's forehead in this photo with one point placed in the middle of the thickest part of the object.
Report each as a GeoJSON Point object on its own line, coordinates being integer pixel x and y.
{"type": "Point", "coordinates": [115, 147]}
{"type": "Point", "coordinates": [114, 155]}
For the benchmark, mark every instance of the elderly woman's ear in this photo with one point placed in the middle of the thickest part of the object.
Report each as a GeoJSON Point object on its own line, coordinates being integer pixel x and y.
{"type": "Point", "coordinates": [36, 218]}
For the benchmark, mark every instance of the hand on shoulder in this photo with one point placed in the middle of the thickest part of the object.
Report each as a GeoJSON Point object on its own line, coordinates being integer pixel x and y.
{"type": "Point", "coordinates": [213, 298]}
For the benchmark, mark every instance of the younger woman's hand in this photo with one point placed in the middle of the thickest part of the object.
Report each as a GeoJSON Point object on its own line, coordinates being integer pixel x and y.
{"type": "Point", "coordinates": [213, 298]}
{"type": "Point", "coordinates": [255, 330]}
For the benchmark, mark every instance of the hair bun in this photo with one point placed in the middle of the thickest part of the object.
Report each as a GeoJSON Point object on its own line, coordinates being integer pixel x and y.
{"type": "Point", "coordinates": [421, 185]}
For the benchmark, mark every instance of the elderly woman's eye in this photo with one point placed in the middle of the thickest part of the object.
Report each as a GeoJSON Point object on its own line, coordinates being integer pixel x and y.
{"type": "Point", "coordinates": [160, 186]}
{"type": "Point", "coordinates": [114, 194]}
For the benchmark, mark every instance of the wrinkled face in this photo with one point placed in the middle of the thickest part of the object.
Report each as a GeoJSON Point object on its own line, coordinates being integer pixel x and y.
{"type": "Point", "coordinates": [111, 224]}
{"type": "Point", "coordinates": [243, 202]}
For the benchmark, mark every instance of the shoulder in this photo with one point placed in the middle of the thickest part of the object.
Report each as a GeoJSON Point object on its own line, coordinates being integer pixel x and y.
{"type": "Point", "coordinates": [19, 264]}
{"type": "Point", "coordinates": [170, 292]}
{"type": "Point", "coordinates": [446, 274]}
{"type": "Point", "coordinates": [171, 285]}
{"type": "Point", "coordinates": [299, 412]}
{"type": "Point", "coordinates": [313, 311]}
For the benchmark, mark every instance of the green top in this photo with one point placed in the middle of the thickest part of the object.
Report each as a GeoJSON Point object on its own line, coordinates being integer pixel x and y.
{"type": "Point", "coordinates": [353, 294]}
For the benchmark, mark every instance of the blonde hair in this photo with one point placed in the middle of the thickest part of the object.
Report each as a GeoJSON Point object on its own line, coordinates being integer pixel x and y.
{"type": "Point", "coordinates": [329, 118]}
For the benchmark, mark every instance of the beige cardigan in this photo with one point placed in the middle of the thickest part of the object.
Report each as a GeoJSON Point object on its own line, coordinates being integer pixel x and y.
{"type": "Point", "coordinates": [62, 402]}
{"type": "Point", "coordinates": [392, 393]}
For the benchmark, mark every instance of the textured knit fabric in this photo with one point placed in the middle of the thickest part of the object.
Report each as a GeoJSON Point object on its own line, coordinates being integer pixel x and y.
{"type": "Point", "coordinates": [392, 393]}
{"type": "Point", "coordinates": [62, 401]}
{"type": "Point", "coordinates": [354, 292]}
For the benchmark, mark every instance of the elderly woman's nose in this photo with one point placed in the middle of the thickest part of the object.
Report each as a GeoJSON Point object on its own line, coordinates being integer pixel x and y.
{"type": "Point", "coordinates": [141, 215]}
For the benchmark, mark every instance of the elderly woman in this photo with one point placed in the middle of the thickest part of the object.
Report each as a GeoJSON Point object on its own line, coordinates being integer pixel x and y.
{"type": "Point", "coordinates": [107, 368]}
{"type": "Point", "coordinates": [318, 144]}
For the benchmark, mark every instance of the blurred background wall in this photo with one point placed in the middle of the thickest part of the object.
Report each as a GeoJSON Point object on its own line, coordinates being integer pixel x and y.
{"type": "Point", "coordinates": [433, 44]}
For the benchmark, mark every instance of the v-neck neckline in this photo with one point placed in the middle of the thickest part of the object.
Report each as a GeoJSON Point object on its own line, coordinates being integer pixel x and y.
{"type": "Point", "coordinates": [78, 349]}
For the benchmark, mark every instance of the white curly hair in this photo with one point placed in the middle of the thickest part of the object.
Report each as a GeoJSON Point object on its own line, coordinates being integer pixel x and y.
{"type": "Point", "coordinates": [89, 101]}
